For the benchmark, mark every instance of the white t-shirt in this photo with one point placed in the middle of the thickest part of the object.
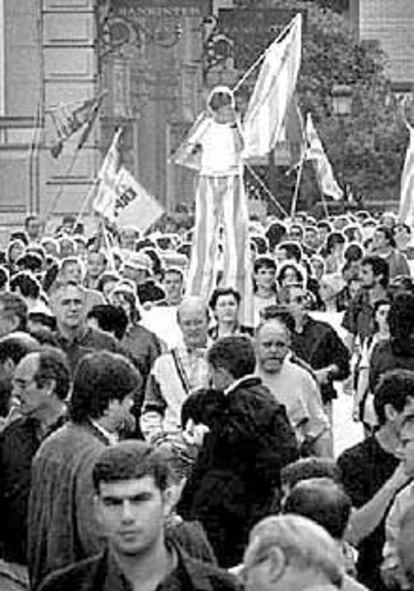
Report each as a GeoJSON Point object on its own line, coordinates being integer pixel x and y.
{"type": "Point", "coordinates": [219, 156]}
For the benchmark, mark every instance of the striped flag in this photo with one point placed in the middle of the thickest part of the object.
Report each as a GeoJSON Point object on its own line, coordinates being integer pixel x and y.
{"type": "Point", "coordinates": [105, 201]}
{"type": "Point", "coordinates": [324, 172]}
{"type": "Point", "coordinates": [273, 92]}
{"type": "Point", "coordinates": [406, 209]}
{"type": "Point", "coordinates": [68, 118]}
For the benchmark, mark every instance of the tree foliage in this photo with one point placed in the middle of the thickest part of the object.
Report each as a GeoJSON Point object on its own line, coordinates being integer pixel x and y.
{"type": "Point", "coordinates": [366, 148]}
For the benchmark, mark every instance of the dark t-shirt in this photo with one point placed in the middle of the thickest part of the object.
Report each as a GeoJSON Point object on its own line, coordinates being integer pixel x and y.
{"type": "Point", "coordinates": [364, 470]}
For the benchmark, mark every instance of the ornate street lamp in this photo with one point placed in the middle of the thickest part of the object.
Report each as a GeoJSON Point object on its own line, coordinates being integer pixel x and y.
{"type": "Point", "coordinates": [342, 99]}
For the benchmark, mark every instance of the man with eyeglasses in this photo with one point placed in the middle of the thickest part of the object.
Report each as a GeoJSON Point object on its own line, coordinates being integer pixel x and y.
{"type": "Point", "coordinates": [293, 386]}
{"type": "Point", "coordinates": [318, 344]}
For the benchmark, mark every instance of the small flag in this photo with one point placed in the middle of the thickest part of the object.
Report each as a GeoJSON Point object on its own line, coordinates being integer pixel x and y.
{"type": "Point", "coordinates": [324, 172]}
{"type": "Point", "coordinates": [406, 209]}
{"type": "Point", "coordinates": [68, 118]}
{"type": "Point", "coordinates": [188, 153]}
{"type": "Point", "coordinates": [273, 92]}
{"type": "Point", "coordinates": [105, 200]}
{"type": "Point", "coordinates": [134, 205]}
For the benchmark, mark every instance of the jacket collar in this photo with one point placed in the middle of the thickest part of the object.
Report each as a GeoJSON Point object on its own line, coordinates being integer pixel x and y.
{"type": "Point", "coordinates": [110, 576]}
{"type": "Point", "coordinates": [248, 380]}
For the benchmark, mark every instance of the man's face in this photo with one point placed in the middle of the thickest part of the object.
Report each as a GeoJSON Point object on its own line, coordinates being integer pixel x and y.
{"type": "Point", "coordinates": [67, 248]}
{"type": "Point", "coordinates": [296, 302]}
{"type": "Point", "coordinates": [323, 234]}
{"type": "Point", "coordinates": [32, 397]}
{"type": "Point", "coordinates": [68, 306]}
{"type": "Point", "coordinates": [128, 238]}
{"type": "Point", "coordinates": [272, 346]}
{"type": "Point", "coordinates": [407, 448]}
{"type": "Point", "coordinates": [311, 238]}
{"type": "Point", "coordinates": [173, 287]}
{"type": "Point", "coordinates": [34, 228]}
{"type": "Point", "coordinates": [193, 323]}
{"type": "Point", "coordinates": [135, 274]}
{"type": "Point", "coordinates": [95, 264]}
{"type": "Point", "coordinates": [402, 235]}
{"type": "Point", "coordinates": [367, 276]}
{"type": "Point", "coordinates": [265, 277]}
{"type": "Point", "coordinates": [132, 514]}
{"type": "Point", "coordinates": [73, 272]}
{"type": "Point", "coordinates": [8, 321]}
{"type": "Point", "coordinates": [295, 234]}
{"type": "Point", "coordinates": [226, 308]}
{"type": "Point", "coordinates": [379, 240]}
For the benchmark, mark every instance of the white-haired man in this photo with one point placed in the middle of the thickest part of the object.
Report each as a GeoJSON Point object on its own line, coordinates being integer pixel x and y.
{"type": "Point", "coordinates": [291, 552]}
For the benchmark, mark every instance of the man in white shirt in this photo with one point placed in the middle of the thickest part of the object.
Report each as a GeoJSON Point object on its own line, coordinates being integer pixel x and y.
{"type": "Point", "coordinates": [293, 386]}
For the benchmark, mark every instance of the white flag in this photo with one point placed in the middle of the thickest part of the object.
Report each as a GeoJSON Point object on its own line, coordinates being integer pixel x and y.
{"type": "Point", "coordinates": [105, 200]}
{"type": "Point", "coordinates": [134, 205]}
{"type": "Point", "coordinates": [273, 92]}
{"type": "Point", "coordinates": [324, 172]}
{"type": "Point", "coordinates": [406, 209]}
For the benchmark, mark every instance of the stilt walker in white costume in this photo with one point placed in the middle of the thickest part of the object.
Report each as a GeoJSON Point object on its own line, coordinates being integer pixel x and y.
{"type": "Point", "coordinates": [220, 197]}
{"type": "Point", "coordinates": [216, 148]}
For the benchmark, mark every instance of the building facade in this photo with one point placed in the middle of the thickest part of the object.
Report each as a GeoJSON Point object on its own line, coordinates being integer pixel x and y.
{"type": "Point", "coordinates": [155, 60]}
{"type": "Point", "coordinates": [391, 23]}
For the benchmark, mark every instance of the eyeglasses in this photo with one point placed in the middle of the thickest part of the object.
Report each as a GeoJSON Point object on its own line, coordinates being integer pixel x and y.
{"type": "Point", "coordinates": [297, 300]}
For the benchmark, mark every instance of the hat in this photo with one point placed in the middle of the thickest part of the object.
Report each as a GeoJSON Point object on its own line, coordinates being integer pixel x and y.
{"type": "Point", "coordinates": [174, 259]}
{"type": "Point", "coordinates": [139, 260]}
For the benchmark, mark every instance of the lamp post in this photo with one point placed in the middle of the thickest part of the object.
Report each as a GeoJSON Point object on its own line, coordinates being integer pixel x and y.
{"type": "Point", "coordinates": [342, 108]}
{"type": "Point", "coordinates": [342, 100]}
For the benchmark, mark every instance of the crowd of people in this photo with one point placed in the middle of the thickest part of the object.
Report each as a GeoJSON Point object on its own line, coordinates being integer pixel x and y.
{"type": "Point", "coordinates": [151, 439]}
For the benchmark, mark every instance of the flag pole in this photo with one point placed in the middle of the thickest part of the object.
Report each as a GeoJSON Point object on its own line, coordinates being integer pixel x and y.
{"type": "Point", "coordinates": [107, 244]}
{"type": "Point", "coordinates": [325, 205]}
{"type": "Point", "coordinates": [62, 186]}
{"type": "Point", "coordinates": [263, 55]}
{"type": "Point", "coordinates": [266, 190]}
{"type": "Point", "coordinates": [85, 203]}
{"type": "Point", "coordinates": [297, 187]}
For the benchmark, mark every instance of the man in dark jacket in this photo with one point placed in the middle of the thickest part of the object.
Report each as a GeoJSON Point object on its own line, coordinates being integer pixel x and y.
{"type": "Point", "coordinates": [318, 344]}
{"type": "Point", "coordinates": [41, 384]}
{"type": "Point", "coordinates": [73, 335]}
{"type": "Point", "coordinates": [250, 439]}
{"type": "Point", "coordinates": [62, 527]}
{"type": "Point", "coordinates": [132, 502]}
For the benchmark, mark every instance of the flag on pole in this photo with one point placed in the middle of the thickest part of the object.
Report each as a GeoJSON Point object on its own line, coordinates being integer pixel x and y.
{"type": "Point", "coordinates": [406, 209]}
{"type": "Point", "coordinates": [68, 118]}
{"type": "Point", "coordinates": [291, 147]}
{"type": "Point", "coordinates": [134, 205]}
{"type": "Point", "coordinates": [324, 172]}
{"type": "Point", "coordinates": [273, 92]}
{"type": "Point", "coordinates": [105, 200]}
{"type": "Point", "coordinates": [187, 154]}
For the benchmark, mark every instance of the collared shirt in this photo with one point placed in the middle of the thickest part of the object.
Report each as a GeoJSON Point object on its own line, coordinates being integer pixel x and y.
{"type": "Point", "coordinates": [239, 382]}
{"type": "Point", "coordinates": [112, 438]}
{"type": "Point", "coordinates": [102, 573]}
{"type": "Point", "coordinates": [174, 376]}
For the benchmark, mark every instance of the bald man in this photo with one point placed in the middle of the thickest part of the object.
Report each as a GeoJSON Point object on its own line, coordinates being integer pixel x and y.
{"type": "Point", "coordinates": [177, 373]}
